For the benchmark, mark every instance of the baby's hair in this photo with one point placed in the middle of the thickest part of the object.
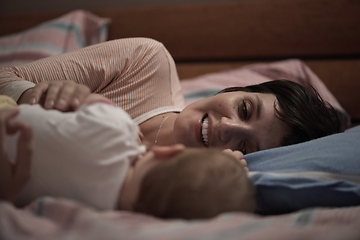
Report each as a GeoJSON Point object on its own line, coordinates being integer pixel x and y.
{"type": "Point", "coordinates": [197, 183]}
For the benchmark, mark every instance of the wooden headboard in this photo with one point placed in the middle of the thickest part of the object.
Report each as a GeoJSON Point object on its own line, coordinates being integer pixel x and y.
{"type": "Point", "coordinates": [217, 36]}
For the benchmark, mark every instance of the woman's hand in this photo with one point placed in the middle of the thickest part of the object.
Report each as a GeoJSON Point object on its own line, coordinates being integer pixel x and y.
{"type": "Point", "coordinates": [61, 95]}
{"type": "Point", "coordinates": [238, 156]}
{"type": "Point", "coordinates": [14, 176]}
{"type": "Point", "coordinates": [95, 98]}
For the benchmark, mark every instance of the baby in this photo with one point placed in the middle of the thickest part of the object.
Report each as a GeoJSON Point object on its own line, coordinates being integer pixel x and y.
{"type": "Point", "coordinates": [93, 155]}
{"type": "Point", "coordinates": [188, 183]}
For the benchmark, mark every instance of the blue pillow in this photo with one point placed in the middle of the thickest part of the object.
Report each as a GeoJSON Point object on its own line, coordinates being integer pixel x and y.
{"type": "Point", "coordinates": [323, 172]}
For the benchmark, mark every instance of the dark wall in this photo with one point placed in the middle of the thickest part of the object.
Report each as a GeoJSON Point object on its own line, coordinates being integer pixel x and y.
{"type": "Point", "coordinates": [18, 6]}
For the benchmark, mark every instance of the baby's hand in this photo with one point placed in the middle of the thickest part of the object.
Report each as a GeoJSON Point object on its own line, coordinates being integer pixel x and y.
{"type": "Point", "coordinates": [239, 156]}
{"type": "Point", "coordinates": [14, 176]}
{"type": "Point", "coordinates": [244, 164]}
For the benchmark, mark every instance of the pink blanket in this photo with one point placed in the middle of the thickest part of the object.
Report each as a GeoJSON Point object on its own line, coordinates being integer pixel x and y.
{"type": "Point", "coordinates": [54, 218]}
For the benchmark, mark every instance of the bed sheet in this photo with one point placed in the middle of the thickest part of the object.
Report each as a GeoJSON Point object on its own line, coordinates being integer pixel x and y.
{"type": "Point", "coordinates": [50, 218]}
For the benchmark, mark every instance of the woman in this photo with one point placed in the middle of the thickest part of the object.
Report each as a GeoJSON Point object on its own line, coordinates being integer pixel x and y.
{"type": "Point", "coordinates": [140, 76]}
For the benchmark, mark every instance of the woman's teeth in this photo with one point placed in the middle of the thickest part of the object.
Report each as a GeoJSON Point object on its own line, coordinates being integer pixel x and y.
{"type": "Point", "coordinates": [204, 131]}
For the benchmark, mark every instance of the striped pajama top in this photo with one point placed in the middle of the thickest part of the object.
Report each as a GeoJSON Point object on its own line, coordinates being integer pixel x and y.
{"type": "Point", "coordinates": [137, 74]}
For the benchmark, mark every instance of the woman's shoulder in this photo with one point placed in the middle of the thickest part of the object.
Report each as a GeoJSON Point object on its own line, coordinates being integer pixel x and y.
{"type": "Point", "coordinates": [149, 81]}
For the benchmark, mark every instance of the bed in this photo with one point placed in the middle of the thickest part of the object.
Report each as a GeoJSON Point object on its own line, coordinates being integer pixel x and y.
{"type": "Point", "coordinates": [214, 45]}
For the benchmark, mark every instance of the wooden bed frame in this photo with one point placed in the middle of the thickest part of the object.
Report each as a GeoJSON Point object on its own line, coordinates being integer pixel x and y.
{"type": "Point", "coordinates": [210, 37]}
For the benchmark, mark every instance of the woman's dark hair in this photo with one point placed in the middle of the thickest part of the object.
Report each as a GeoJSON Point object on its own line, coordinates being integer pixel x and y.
{"type": "Point", "coordinates": [301, 108]}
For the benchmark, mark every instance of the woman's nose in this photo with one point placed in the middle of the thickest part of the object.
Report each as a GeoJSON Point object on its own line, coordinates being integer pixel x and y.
{"type": "Point", "coordinates": [228, 128]}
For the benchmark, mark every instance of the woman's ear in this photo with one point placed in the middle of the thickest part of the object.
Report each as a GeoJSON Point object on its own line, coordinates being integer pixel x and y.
{"type": "Point", "coordinates": [164, 152]}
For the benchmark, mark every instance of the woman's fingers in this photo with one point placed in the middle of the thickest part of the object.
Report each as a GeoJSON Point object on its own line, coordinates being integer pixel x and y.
{"type": "Point", "coordinates": [60, 95]}
{"type": "Point", "coordinates": [36, 93]}
{"type": "Point", "coordinates": [81, 92]}
{"type": "Point", "coordinates": [64, 96]}
{"type": "Point", "coordinates": [51, 94]}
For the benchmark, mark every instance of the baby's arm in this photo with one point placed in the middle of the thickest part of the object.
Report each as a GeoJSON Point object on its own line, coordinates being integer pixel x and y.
{"type": "Point", "coordinates": [13, 176]}
{"type": "Point", "coordinates": [239, 156]}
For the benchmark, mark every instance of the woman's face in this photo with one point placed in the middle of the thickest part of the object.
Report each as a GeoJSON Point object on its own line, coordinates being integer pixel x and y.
{"type": "Point", "coordinates": [237, 120]}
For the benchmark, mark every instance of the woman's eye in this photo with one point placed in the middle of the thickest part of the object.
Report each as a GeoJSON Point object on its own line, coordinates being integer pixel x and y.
{"type": "Point", "coordinates": [244, 110]}
{"type": "Point", "coordinates": [243, 149]}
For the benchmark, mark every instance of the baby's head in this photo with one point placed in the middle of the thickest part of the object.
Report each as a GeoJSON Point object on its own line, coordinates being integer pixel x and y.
{"type": "Point", "coordinates": [174, 182]}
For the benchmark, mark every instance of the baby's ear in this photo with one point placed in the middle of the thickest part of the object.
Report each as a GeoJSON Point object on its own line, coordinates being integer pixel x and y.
{"type": "Point", "coordinates": [164, 152]}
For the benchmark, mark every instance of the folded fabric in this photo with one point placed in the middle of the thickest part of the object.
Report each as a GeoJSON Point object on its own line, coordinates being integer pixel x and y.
{"type": "Point", "coordinates": [69, 32]}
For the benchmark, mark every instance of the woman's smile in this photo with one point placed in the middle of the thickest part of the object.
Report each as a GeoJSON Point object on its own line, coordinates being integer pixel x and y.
{"type": "Point", "coordinates": [198, 127]}
{"type": "Point", "coordinates": [204, 131]}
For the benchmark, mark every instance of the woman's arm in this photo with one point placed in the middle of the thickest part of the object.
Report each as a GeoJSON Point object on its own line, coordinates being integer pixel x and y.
{"type": "Point", "coordinates": [95, 66]}
{"type": "Point", "coordinates": [118, 70]}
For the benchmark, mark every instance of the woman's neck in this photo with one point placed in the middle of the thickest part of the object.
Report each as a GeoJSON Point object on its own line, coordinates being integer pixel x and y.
{"type": "Point", "coordinates": [158, 130]}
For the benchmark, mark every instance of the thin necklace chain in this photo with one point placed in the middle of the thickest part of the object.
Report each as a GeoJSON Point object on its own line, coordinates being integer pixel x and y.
{"type": "Point", "coordinates": [157, 135]}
